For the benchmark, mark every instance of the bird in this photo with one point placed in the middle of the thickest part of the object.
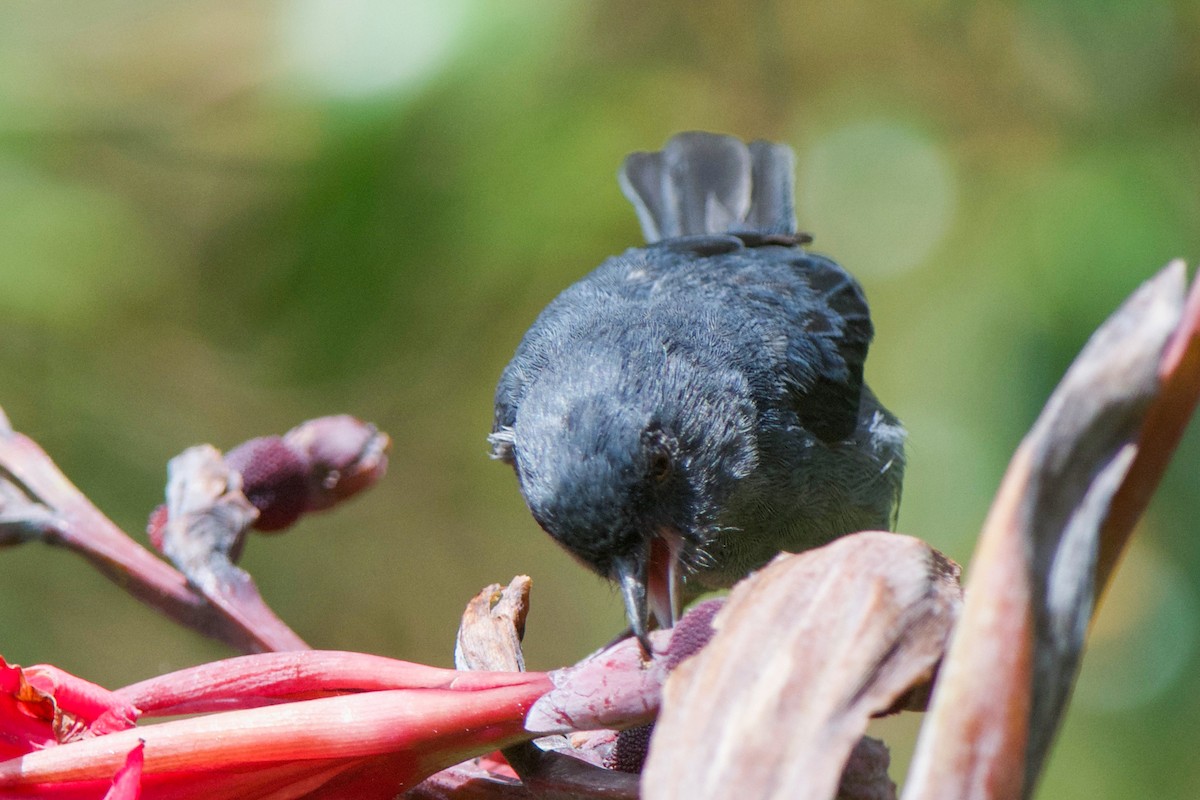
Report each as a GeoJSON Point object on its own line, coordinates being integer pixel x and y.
{"type": "Point", "coordinates": [695, 406]}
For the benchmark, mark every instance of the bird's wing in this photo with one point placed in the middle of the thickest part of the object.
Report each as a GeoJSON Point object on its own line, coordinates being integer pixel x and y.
{"type": "Point", "coordinates": [837, 326]}
{"type": "Point", "coordinates": [811, 314]}
{"type": "Point", "coordinates": [800, 329]}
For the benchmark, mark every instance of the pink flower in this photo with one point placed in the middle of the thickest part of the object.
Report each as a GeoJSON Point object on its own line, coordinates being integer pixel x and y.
{"type": "Point", "coordinates": [42, 706]}
{"type": "Point", "coordinates": [272, 725]}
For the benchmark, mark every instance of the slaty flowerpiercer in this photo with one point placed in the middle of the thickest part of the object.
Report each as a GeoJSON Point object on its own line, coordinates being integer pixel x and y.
{"type": "Point", "coordinates": [693, 407]}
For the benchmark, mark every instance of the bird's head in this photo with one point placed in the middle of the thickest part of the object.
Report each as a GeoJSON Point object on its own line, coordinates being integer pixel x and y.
{"type": "Point", "coordinates": [626, 479]}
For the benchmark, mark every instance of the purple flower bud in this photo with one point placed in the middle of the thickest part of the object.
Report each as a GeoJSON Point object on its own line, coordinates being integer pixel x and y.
{"type": "Point", "coordinates": [344, 456]}
{"type": "Point", "coordinates": [274, 480]}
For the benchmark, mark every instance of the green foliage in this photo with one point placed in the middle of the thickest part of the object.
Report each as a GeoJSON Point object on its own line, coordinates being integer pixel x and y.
{"type": "Point", "coordinates": [220, 218]}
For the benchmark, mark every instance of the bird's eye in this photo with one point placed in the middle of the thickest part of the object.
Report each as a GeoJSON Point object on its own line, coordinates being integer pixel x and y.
{"type": "Point", "coordinates": [660, 466]}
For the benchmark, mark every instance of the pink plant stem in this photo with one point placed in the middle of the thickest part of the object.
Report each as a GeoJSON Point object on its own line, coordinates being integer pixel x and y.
{"type": "Point", "coordinates": [248, 681]}
{"type": "Point", "coordinates": [436, 727]}
{"type": "Point", "coordinates": [275, 782]}
{"type": "Point", "coordinates": [78, 525]}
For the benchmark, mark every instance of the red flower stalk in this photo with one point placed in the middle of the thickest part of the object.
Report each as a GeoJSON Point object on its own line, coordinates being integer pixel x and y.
{"type": "Point", "coordinates": [376, 726]}
{"type": "Point", "coordinates": [41, 706]}
{"type": "Point", "coordinates": [268, 678]}
{"type": "Point", "coordinates": [127, 783]}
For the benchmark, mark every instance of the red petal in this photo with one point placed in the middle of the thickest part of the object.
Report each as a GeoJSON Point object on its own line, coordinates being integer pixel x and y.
{"type": "Point", "coordinates": [104, 711]}
{"type": "Point", "coordinates": [42, 706]}
{"type": "Point", "coordinates": [127, 783]}
{"type": "Point", "coordinates": [24, 725]}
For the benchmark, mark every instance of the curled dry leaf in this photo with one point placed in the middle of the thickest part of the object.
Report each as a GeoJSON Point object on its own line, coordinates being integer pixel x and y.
{"type": "Point", "coordinates": [1167, 417]}
{"type": "Point", "coordinates": [492, 626]}
{"type": "Point", "coordinates": [206, 522]}
{"type": "Point", "coordinates": [207, 513]}
{"type": "Point", "coordinates": [1067, 504]}
{"type": "Point", "coordinates": [806, 651]}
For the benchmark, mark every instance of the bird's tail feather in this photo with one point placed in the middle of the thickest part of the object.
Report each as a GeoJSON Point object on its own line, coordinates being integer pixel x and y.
{"type": "Point", "coordinates": [709, 183]}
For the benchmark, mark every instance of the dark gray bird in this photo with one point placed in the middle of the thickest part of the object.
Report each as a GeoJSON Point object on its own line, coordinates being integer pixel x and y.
{"type": "Point", "coordinates": [691, 408]}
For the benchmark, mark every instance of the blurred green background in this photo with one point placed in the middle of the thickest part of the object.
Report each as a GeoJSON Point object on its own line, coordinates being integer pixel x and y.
{"type": "Point", "coordinates": [219, 218]}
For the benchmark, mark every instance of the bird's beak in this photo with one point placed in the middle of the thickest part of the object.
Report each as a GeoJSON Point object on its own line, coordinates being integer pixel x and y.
{"type": "Point", "coordinates": [630, 573]}
{"type": "Point", "coordinates": [662, 577]}
{"type": "Point", "coordinates": [649, 582]}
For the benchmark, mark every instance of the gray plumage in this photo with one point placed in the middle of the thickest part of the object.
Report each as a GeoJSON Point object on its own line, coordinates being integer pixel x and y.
{"type": "Point", "coordinates": [693, 407]}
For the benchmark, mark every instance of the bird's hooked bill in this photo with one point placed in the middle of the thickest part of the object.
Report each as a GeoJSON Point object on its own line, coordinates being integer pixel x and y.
{"type": "Point", "coordinates": [662, 577]}
{"type": "Point", "coordinates": [648, 581]}
{"type": "Point", "coordinates": [630, 573]}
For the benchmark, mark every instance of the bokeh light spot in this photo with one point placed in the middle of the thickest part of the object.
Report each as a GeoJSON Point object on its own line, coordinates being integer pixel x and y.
{"type": "Point", "coordinates": [877, 194]}
{"type": "Point", "coordinates": [1111, 52]}
{"type": "Point", "coordinates": [1144, 636]}
{"type": "Point", "coordinates": [67, 251]}
{"type": "Point", "coordinates": [358, 48]}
